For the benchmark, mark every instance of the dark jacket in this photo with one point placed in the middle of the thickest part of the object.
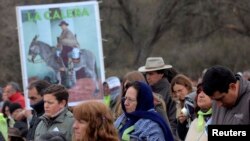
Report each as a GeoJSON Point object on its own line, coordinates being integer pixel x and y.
{"type": "Point", "coordinates": [163, 88]}
{"type": "Point", "coordinates": [1, 137]}
{"type": "Point", "coordinates": [37, 112]}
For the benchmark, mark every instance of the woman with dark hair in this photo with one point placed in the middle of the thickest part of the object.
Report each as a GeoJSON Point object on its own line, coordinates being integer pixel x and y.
{"type": "Point", "coordinates": [20, 123]}
{"type": "Point", "coordinates": [6, 113]}
{"type": "Point", "coordinates": [197, 130]}
{"type": "Point", "coordinates": [140, 121]}
{"type": "Point", "coordinates": [93, 122]}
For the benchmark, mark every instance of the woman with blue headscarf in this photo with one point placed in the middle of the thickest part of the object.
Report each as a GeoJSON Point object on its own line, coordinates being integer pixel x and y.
{"type": "Point", "coordinates": [140, 121]}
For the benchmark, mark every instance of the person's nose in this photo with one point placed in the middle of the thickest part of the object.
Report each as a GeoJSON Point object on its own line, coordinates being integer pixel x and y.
{"type": "Point", "coordinates": [75, 125]}
{"type": "Point", "coordinates": [178, 94]}
{"type": "Point", "coordinates": [126, 102]}
{"type": "Point", "coordinates": [200, 95]}
{"type": "Point", "coordinates": [46, 106]}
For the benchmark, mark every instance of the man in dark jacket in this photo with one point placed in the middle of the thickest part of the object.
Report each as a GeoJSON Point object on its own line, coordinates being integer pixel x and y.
{"type": "Point", "coordinates": [36, 102]}
{"type": "Point", "coordinates": [154, 70]}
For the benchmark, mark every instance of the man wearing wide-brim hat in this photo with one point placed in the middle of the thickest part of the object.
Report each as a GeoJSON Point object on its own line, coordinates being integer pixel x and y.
{"type": "Point", "coordinates": [155, 73]}
{"type": "Point", "coordinates": [66, 43]}
{"type": "Point", "coordinates": [153, 64]}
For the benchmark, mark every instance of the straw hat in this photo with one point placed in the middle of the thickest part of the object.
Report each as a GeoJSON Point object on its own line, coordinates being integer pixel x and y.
{"type": "Point", "coordinates": [153, 64]}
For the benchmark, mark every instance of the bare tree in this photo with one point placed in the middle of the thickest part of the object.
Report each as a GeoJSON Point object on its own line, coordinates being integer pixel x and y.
{"type": "Point", "coordinates": [241, 11]}
{"type": "Point", "coordinates": [190, 34]}
{"type": "Point", "coordinates": [146, 23]}
{"type": "Point", "coordinates": [198, 20]}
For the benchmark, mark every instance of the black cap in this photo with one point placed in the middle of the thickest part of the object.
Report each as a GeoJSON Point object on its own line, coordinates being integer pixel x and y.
{"type": "Point", "coordinates": [14, 106]}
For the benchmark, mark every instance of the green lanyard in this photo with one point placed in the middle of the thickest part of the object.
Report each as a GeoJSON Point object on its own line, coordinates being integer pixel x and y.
{"type": "Point", "coordinates": [125, 135]}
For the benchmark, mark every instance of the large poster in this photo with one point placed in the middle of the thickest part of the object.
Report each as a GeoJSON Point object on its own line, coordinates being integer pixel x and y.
{"type": "Point", "coordinates": [61, 43]}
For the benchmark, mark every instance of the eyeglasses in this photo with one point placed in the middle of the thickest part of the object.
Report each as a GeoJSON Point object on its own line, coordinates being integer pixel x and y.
{"type": "Point", "coordinates": [129, 100]}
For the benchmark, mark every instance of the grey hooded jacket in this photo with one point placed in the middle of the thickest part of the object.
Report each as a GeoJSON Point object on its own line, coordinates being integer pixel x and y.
{"type": "Point", "coordinates": [239, 113]}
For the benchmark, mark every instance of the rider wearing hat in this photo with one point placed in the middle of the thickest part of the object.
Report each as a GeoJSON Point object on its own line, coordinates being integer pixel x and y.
{"type": "Point", "coordinates": [67, 42]}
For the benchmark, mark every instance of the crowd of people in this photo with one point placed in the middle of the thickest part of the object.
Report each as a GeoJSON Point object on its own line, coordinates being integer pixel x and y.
{"type": "Point", "coordinates": [153, 103]}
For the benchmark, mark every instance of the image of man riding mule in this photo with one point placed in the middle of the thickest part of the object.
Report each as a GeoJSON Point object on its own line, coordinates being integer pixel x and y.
{"type": "Point", "coordinates": [68, 49]}
{"type": "Point", "coordinates": [68, 46]}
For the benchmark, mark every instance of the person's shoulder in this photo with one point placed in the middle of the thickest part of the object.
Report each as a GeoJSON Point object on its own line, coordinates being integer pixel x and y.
{"type": "Point", "coordinates": [147, 127]}
{"type": "Point", "coordinates": [69, 114]}
{"type": "Point", "coordinates": [191, 96]}
{"type": "Point", "coordinates": [119, 120]}
{"type": "Point", "coordinates": [146, 123]}
{"type": "Point", "coordinates": [52, 135]}
{"type": "Point", "coordinates": [68, 111]}
{"type": "Point", "coordinates": [194, 122]}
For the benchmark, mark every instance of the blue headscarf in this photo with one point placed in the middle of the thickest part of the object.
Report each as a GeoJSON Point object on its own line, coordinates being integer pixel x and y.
{"type": "Point", "coordinates": [145, 102]}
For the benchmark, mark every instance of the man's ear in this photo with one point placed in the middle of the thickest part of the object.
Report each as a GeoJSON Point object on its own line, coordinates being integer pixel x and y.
{"type": "Point", "coordinates": [232, 86]}
{"type": "Point", "coordinates": [63, 103]}
{"type": "Point", "coordinates": [162, 74]}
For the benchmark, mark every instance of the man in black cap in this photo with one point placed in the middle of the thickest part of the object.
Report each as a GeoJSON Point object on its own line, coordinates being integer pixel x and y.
{"type": "Point", "coordinates": [20, 123]}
